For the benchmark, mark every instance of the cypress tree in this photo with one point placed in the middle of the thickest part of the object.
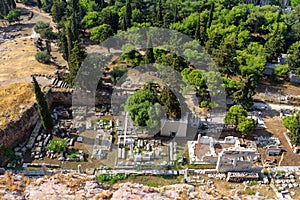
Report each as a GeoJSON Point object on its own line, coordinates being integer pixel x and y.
{"type": "Point", "coordinates": [175, 14]}
{"type": "Point", "coordinates": [48, 46]}
{"type": "Point", "coordinates": [211, 14]}
{"type": "Point", "coordinates": [128, 14]}
{"type": "Point", "coordinates": [149, 52]}
{"type": "Point", "coordinates": [76, 56]}
{"type": "Point", "coordinates": [4, 8]}
{"type": "Point", "coordinates": [64, 44]}
{"type": "Point", "coordinates": [197, 33]}
{"type": "Point", "coordinates": [124, 24]}
{"type": "Point", "coordinates": [70, 38]}
{"type": "Point", "coordinates": [74, 27]}
{"type": "Point", "coordinates": [39, 4]}
{"type": "Point", "coordinates": [43, 108]}
{"type": "Point", "coordinates": [159, 14]}
{"type": "Point", "coordinates": [154, 11]}
{"type": "Point", "coordinates": [111, 2]}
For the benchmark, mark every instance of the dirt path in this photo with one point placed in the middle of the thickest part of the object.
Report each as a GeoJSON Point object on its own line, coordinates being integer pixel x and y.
{"type": "Point", "coordinates": [38, 12]}
{"type": "Point", "coordinates": [276, 128]}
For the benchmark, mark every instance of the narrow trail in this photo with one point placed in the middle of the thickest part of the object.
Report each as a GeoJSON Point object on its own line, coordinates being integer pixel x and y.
{"type": "Point", "coordinates": [37, 11]}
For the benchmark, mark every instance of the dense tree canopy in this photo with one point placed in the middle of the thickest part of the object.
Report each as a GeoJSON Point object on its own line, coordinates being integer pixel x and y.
{"type": "Point", "coordinates": [241, 36]}
{"type": "Point", "coordinates": [292, 123]}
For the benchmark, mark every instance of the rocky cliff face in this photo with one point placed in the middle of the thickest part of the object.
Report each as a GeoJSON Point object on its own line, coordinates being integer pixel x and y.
{"type": "Point", "coordinates": [19, 129]}
{"type": "Point", "coordinates": [82, 186]}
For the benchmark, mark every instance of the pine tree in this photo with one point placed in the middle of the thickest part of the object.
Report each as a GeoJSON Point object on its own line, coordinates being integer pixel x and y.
{"type": "Point", "coordinates": [128, 13]}
{"type": "Point", "coordinates": [43, 108]}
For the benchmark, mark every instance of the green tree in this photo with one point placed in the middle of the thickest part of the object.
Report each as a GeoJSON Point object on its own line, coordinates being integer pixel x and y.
{"type": "Point", "coordinates": [245, 91]}
{"type": "Point", "coordinates": [159, 13]}
{"type": "Point", "coordinates": [149, 57]}
{"type": "Point", "coordinates": [139, 105]}
{"type": "Point", "coordinates": [170, 103]}
{"type": "Point", "coordinates": [133, 57]}
{"type": "Point", "coordinates": [92, 19]}
{"type": "Point", "coordinates": [235, 115]}
{"type": "Point", "coordinates": [101, 33]}
{"type": "Point", "coordinates": [293, 59]}
{"type": "Point", "coordinates": [128, 14]}
{"type": "Point", "coordinates": [58, 10]}
{"type": "Point", "coordinates": [246, 125]}
{"type": "Point", "coordinates": [13, 16]}
{"type": "Point", "coordinates": [155, 113]}
{"type": "Point", "coordinates": [45, 30]}
{"type": "Point", "coordinates": [292, 123]}
{"type": "Point", "coordinates": [294, 3]}
{"type": "Point", "coordinates": [225, 54]}
{"type": "Point", "coordinates": [43, 57]}
{"type": "Point", "coordinates": [63, 43]}
{"type": "Point", "coordinates": [282, 71]}
{"type": "Point", "coordinates": [76, 57]}
{"type": "Point", "coordinates": [251, 60]}
{"type": "Point", "coordinates": [43, 109]}
{"type": "Point", "coordinates": [118, 72]}
{"type": "Point", "coordinates": [39, 4]}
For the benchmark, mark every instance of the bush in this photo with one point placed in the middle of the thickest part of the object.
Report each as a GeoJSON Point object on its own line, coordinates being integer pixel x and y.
{"type": "Point", "coordinates": [110, 179]}
{"type": "Point", "coordinates": [43, 57]}
{"type": "Point", "coordinates": [282, 71]}
{"type": "Point", "coordinates": [13, 15]}
{"type": "Point", "coordinates": [205, 104]}
{"type": "Point", "coordinates": [253, 183]}
{"type": "Point", "coordinates": [57, 145]}
{"type": "Point", "coordinates": [45, 30]}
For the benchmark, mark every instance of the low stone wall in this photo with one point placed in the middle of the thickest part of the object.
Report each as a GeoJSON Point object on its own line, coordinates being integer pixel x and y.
{"type": "Point", "coordinates": [19, 129]}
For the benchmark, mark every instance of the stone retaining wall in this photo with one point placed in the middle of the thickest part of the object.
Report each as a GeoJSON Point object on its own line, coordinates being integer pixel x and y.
{"type": "Point", "coordinates": [19, 129]}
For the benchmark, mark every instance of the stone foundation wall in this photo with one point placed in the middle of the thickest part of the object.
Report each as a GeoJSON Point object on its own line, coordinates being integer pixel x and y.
{"type": "Point", "coordinates": [18, 130]}
{"type": "Point", "coordinates": [64, 96]}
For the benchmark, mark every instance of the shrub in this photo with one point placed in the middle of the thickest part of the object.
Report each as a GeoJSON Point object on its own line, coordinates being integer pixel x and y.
{"type": "Point", "coordinates": [253, 183]}
{"type": "Point", "coordinates": [205, 104]}
{"type": "Point", "coordinates": [43, 57]}
{"type": "Point", "coordinates": [13, 15]}
{"type": "Point", "coordinates": [57, 145]}
{"type": "Point", "coordinates": [282, 71]}
{"type": "Point", "coordinates": [110, 179]}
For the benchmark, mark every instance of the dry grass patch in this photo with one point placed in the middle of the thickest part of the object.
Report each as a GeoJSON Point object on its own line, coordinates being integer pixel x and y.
{"type": "Point", "coordinates": [13, 98]}
{"type": "Point", "coordinates": [17, 60]}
